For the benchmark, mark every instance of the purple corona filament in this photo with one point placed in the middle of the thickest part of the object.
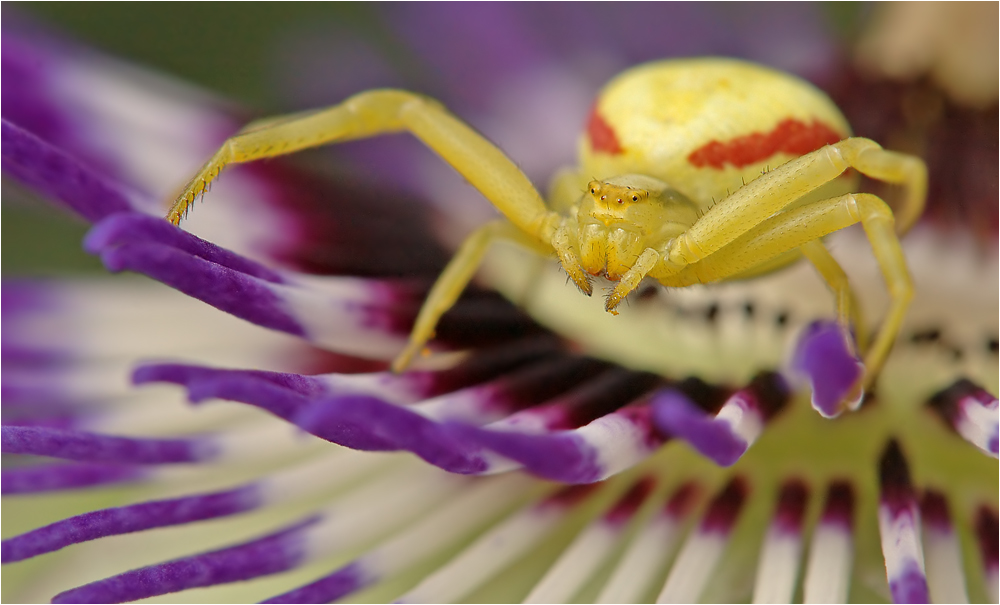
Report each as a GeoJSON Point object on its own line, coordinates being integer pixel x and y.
{"type": "Point", "coordinates": [64, 476]}
{"type": "Point", "coordinates": [825, 356]}
{"type": "Point", "coordinates": [127, 519]}
{"type": "Point", "coordinates": [506, 542]}
{"type": "Point", "coordinates": [696, 561]}
{"type": "Point", "coordinates": [91, 447]}
{"type": "Point", "coordinates": [595, 451]}
{"type": "Point", "coordinates": [725, 436]}
{"type": "Point", "coordinates": [831, 552]}
{"type": "Point", "coordinates": [942, 551]}
{"type": "Point", "coordinates": [273, 553]}
{"type": "Point", "coordinates": [633, 577]}
{"type": "Point", "coordinates": [778, 566]}
{"type": "Point", "coordinates": [590, 549]}
{"type": "Point", "coordinates": [899, 527]}
{"type": "Point", "coordinates": [987, 530]}
{"type": "Point", "coordinates": [468, 511]}
{"type": "Point", "coordinates": [970, 411]}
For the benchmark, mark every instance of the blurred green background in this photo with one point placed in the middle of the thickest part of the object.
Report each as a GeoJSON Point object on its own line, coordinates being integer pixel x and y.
{"type": "Point", "coordinates": [225, 47]}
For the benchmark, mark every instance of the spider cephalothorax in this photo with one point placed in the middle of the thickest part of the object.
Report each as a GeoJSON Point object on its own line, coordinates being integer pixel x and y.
{"type": "Point", "coordinates": [618, 218]}
{"type": "Point", "coordinates": [753, 158]}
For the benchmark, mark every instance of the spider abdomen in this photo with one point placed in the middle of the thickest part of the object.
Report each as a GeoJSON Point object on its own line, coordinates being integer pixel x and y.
{"type": "Point", "coordinates": [705, 126]}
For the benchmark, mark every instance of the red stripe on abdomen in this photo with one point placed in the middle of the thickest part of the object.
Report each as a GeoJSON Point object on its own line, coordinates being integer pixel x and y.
{"type": "Point", "coordinates": [789, 136]}
{"type": "Point", "coordinates": [602, 137]}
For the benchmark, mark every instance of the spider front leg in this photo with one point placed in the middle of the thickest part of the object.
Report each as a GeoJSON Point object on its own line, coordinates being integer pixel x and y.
{"type": "Point", "coordinates": [750, 227]}
{"type": "Point", "coordinates": [386, 111]}
{"type": "Point", "coordinates": [454, 279]}
{"type": "Point", "coordinates": [761, 198]}
{"type": "Point", "coordinates": [631, 279]}
{"type": "Point", "coordinates": [380, 112]}
{"type": "Point", "coordinates": [563, 242]}
{"type": "Point", "coordinates": [848, 310]}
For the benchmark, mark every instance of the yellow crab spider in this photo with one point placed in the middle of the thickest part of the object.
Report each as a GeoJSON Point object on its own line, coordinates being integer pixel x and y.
{"type": "Point", "coordinates": [691, 171]}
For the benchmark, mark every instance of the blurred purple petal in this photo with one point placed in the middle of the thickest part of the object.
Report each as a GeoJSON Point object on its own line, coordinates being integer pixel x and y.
{"type": "Point", "coordinates": [496, 41]}
{"type": "Point", "coordinates": [26, 101]}
{"type": "Point", "coordinates": [57, 175]}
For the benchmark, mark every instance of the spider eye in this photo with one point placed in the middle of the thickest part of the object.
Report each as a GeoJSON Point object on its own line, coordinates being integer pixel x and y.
{"type": "Point", "coordinates": [635, 198]}
{"type": "Point", "coordinates": [593, 190]}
